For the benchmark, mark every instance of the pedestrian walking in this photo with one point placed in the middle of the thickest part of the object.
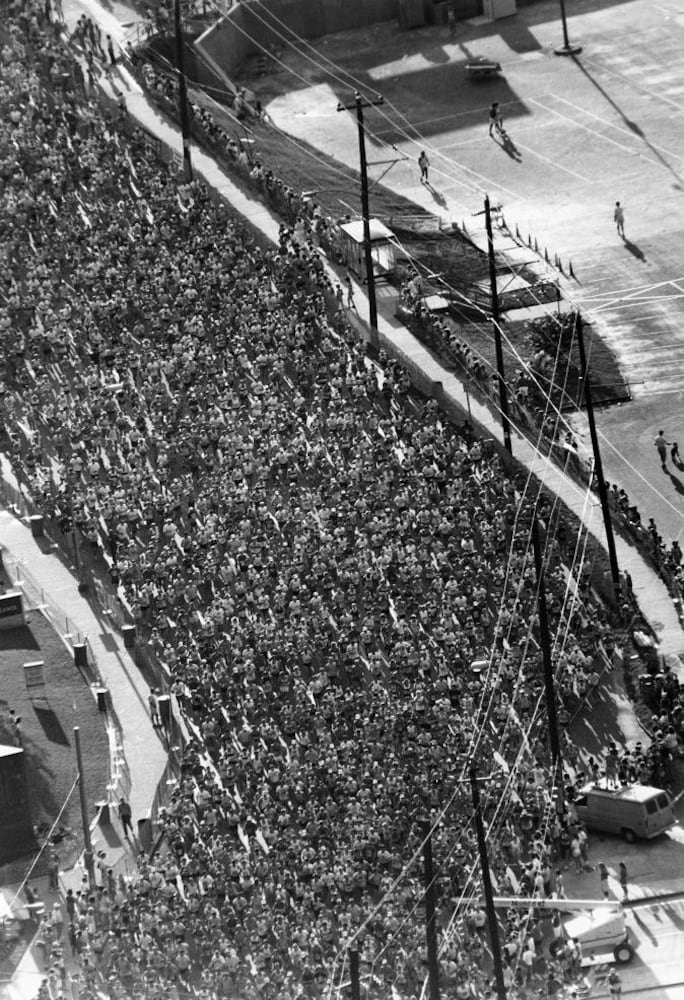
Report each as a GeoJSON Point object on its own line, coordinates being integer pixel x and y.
{"type": "Point", "coordinates": [622, 875]}
{"type": "Point", "coordinates": [125, 815]}
{"type": "Point", "coordinates": [576, 852]}
{"type": "Point", "coordinates": [350, 291]}
{"type": "Point", "coordinates": [560, 885]}
{"type": "Point", "coordinates": [495, 119]}
{"type": "Point", "coordinates": [619, 218]}
{"type": "Point", "coordinates": [661, 443]}
{"type": "Point", "coordinates": [603, 876]}
{"type": "Point", "coordinates": [424, 165]}
{"type": "Point", "coordinates": [576, 966]}
{"type": "Point", "coordinates": [53, 871]}
{"type": "Point", "coordinates": [583, 838]}
{"type": "Point", "coordinates": [153, 702]}
{"type": "Point", "coordinates": [451, 21]}
{"type": "Point", "coordinates": [674, 454]}
{"type": "Point", "coordinates": [527, 959]}
{"type": "Point", "coordinates": [110, 50]}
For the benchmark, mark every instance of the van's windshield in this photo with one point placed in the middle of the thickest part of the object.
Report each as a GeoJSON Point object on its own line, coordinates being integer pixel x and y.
{"type": "Point", "coordinates": [663, 801]}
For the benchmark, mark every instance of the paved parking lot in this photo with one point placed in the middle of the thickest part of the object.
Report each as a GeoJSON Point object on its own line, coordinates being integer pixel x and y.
{"type": "Point", "coordinates": [584, 132]}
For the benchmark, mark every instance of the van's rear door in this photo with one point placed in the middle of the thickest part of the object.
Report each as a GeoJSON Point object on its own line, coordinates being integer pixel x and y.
{"type": "Point", "coordinates": [659, 814]}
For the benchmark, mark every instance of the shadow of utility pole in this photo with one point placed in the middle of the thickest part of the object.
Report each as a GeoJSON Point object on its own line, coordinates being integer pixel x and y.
{"type": "Point", "coordinates": [632, 126]}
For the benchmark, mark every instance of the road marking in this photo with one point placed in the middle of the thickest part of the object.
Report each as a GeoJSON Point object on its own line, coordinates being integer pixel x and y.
{"type": "Point", "coordinates": [553, 163]}
{"type": "Point", "coordinates": [598, 135]}
{"type": "Point", "coordinates": [652, 300]}
{"type": "Point", "coordinates": [601, 67]}
{"type": "Point", "coordinates": [618, 128]}
{"type": "Point", "coordinates": [635, 290]}
{"type": "Point", "coordinates": [637, 301]}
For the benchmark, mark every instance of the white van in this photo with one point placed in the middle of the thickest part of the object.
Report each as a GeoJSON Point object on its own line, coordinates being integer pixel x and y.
{"type": "Point", "coordinates": [633, 811]}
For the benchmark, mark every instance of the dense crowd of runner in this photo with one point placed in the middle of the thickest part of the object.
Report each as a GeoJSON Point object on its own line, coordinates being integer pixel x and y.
{"type": "Point", "coordinates": [338, 582]}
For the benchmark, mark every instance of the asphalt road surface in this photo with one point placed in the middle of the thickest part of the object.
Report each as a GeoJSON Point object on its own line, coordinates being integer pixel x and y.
{"type": "Point", "coordinates": [583, 133]}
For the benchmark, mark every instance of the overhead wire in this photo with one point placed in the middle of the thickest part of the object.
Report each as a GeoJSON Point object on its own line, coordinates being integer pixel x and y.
{"type": "Point", "coordinates": [305, 81]}
{"type": "Point", "coordinates": [302, 79]}
{"type": "Point", "coordinates": [338, 73]}
{"type": "Point", "coordinates": [335, 75]}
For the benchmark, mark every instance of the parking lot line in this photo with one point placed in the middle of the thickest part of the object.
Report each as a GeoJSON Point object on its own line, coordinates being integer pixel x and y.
{"type": "Point", "coordinates": [618, 128]}
{"type": "Point", "coordinates": [598, 135]}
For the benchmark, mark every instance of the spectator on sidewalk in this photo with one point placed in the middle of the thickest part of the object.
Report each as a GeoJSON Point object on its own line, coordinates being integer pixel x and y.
{"type": "Point", "coordinates": [153, 702]}
{"type": "Point", "coordinates": [623, 878]}
{"type": "Point", "coordinates": [125, 815]}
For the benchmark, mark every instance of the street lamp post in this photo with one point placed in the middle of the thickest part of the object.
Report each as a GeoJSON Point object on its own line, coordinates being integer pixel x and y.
{"type": "Point", "coordinates": [566, 49]}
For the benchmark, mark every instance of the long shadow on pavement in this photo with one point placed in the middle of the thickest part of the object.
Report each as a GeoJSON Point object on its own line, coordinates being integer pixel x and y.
{"type": "Point", "coordinates": [634, 250]}
{"type": "Point", "coordinates": [631, 125]}
{"type": "Point", "coordinates": [676, 482]}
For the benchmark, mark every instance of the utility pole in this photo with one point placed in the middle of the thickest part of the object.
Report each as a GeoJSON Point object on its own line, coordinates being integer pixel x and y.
{"type": "Point", "coordinates": [430, 911]}
{"type": "Point", "coordinates": [354, 974]}
{"type": "Point", "coordinates": [182, 92]}
{"type": "Point", "coordinates": [88, 847]}
{"type": "Point", "coordinates": [80, 575]}
{"type": "Point", "coordinates": [358, 105]}
{"type": "Point", "coordinates": [549, 679]}
{"type": "Point", "coordinates": [503, 392]}
{"type": "Point", "coordinates": [487, 886]}
{"type": "Point", "coordinates": [598, 465]}
{"type": "Point", "coordinates": [566, 49]}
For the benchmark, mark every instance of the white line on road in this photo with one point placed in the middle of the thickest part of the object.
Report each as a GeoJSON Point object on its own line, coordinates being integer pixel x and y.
{"type": "Point", "coordinates": [598, 135]}
{"type": "Point", "coordinates": [618, 128]}
{"type": "Point", "coordinates": [553, 163]}
{"type": "Point", "coordinates": [630, 83]}
{"type": "Point", "coordinates": [637, 302]}
{"type": "Point", "coordinates": [632, 291]}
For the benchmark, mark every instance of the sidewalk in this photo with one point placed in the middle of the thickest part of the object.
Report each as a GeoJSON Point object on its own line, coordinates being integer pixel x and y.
{"type": "Point", "coordinates": [652, 595]}
{"type": "Point", "coordinates": [143, 750]}
{"type": "Point", "coordinates": [120, 80]}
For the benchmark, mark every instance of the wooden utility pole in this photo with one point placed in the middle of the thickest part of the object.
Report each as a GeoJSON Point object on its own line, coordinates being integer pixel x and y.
{"type": "Point", "coordinates": [182, 93]}
{"type": "Point", "coordinates": [430, 912]}
{"type": "Point", "coordinates": [496, 322]}
{"type": "Point", "coordinates": [598, 464]}
{"type": "Point", "coordinates": [487, 886]}
{"type": "Point", "coordinates": [358, 106]}
{"type": "Point", "coordinates": [355, 981]}
{"type": "Point", "coordinates": [88, 846]}
{"type": "Point", "coordinates": [549, 673]}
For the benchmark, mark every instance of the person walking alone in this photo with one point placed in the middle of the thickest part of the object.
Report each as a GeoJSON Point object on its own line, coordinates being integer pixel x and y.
{"type": "Point", "coordinates": [424, 165]}
{"type": "Point", "coordinates": [622, 876]}
{"type": "Point", "coordinates": [153, 702]}
{"type": "Point", "coordinates": [619, 219]}
{"type": "Point", "coordinates": [125, 815]}
{"type": "Point", "coordinates": [495, 119]}
{"type": "Point", "coordinates": [603, 876]}
{"type": "Point", "coordinates": [350, 291]}
{"type": "Point", "coordinates": [110, 50]}
{"type": "Point", "coordinates": [451, 21]}
{"type": "Point", "coordinates": [661, 443]}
